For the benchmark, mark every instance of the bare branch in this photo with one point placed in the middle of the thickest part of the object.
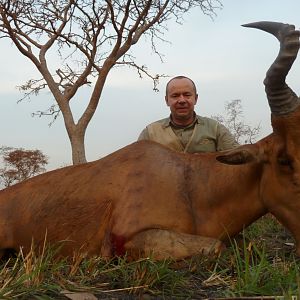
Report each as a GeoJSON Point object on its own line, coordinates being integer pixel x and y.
{"type": "Point", "coordinates": [234, 121]}
{"type": "Point", "coordinates": [143, 71]}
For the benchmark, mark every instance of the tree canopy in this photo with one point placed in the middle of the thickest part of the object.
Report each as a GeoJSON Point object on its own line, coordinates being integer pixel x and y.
{"type": "Point", "coordinates": [20, 164]}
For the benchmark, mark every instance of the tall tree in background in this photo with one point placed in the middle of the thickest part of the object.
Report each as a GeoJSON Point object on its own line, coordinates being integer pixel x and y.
{"type": "Point", "coordinates": [233, 119]}
{"type": "Point", "coordinates": [20, 164]}
{"type": "Point", "coordinates": [91, 37]}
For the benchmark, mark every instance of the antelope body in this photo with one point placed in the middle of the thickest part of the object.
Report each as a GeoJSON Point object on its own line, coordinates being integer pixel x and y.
{"type": "Point", "coordinates": [145, 198]}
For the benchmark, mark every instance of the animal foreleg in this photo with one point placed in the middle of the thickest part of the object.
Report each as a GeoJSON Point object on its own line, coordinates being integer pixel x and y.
{"type": "Point", "coordinates": [162, 244]}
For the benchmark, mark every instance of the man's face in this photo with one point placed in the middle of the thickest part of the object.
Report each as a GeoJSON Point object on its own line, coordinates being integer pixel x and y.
{"type": "Point", "coordinates": [181, 98]}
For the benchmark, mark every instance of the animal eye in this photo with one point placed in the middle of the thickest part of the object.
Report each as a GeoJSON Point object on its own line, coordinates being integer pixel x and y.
{"type": "Point", "coordinates": [285, 161]}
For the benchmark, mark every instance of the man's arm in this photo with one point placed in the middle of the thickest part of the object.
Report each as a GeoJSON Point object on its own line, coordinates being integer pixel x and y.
{"type": "Point", "coordinates": [225, 140]}
{"type": "Point", "coordinates": [144, 135]}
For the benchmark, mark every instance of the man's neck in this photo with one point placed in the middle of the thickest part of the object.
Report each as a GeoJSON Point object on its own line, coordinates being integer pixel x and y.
{"type": "Point", "coordinates": [183, 122]}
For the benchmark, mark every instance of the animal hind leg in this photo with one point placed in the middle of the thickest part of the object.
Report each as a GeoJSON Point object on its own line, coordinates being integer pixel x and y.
{"type": "Point", "coordinates": [161, 244]}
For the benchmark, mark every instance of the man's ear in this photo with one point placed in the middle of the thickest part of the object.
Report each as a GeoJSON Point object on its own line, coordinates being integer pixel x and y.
{"type": "Point", "coordinates": [166, 99]}
{"type": "Point", "coordinates": [196, 99]}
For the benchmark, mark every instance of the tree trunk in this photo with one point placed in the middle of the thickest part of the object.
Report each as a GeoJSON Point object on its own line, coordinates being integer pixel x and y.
{"type": "Point", "coordinates": [78, 148]}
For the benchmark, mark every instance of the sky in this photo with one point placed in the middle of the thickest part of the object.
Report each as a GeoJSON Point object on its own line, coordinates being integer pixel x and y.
{"type": "Point", "coordinates": [225, 60]}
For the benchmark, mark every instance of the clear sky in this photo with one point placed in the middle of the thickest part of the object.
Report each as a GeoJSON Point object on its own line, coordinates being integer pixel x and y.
{"type": "Point", "coordinates": [225, 60]}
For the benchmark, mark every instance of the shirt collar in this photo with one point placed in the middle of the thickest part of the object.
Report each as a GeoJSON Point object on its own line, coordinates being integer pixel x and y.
{"type": "Point", "coordinates": [168, 122]}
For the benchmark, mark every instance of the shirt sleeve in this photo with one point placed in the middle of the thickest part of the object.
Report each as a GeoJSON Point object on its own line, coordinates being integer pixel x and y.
{"type": "Point", "coordinates": [144, 135]}
{"type": "Point", "coordinates": [225, 140]}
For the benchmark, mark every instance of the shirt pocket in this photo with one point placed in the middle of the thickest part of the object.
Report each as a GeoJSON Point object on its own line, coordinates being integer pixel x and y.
{"type": "Point", "coordinates": [205, 145]}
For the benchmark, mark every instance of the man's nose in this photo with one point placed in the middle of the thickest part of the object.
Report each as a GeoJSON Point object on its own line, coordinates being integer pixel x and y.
{"type": "Point", "coordinates": [181, 99]}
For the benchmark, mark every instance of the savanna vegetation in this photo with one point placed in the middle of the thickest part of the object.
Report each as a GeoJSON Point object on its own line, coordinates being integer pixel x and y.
{"type": "Point", "coordinates": [258, 264]}
{"type": "Point", "coordinates": [18, 164]}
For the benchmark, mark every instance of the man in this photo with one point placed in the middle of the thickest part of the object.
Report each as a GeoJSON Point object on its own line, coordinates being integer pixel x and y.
{"type": "Point", "coordinates": [185, 131]}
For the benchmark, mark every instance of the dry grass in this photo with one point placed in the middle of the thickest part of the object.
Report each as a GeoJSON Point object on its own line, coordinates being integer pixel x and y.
{"type": "Point", "coordinates": [256, 264]}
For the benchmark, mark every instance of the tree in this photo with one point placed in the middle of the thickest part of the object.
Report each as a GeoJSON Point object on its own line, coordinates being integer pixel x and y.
{"type": "Point", "coordinates": [20, 164]}
{"type": "Point", "coordinates": [234, 121]}
{"type": "Point", "coordinates": [91, 37]}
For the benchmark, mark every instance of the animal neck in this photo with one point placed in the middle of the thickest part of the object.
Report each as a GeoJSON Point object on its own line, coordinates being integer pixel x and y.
{"type": "Point", "coordinates": [228, 199]}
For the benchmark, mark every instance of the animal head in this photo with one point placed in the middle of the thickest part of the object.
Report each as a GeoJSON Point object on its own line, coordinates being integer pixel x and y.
{"type": "Point", "coordinates": [279, 153]}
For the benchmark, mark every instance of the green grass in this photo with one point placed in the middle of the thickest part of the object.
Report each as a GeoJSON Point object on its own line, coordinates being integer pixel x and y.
{"type": "Point", "coordinates": [263, 262]}
{"type": "Point", "coordinates": [260, 262]}
{"type": "Point", "coordinates": [255, 273]}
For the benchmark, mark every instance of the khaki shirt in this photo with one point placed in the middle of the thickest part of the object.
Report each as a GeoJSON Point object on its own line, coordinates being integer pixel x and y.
{"type": "Point", "coordinates": [203, 135]}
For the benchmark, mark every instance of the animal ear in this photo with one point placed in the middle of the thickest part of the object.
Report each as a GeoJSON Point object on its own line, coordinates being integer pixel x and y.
{"type": "Point", "coordinates": [237, 157]}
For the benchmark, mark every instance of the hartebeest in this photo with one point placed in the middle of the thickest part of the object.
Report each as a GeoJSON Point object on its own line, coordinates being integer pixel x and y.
{"type": "Point", "coordinates": [146, 197]}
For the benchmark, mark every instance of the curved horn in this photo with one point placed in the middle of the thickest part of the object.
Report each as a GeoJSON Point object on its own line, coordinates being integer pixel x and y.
{"type": "Point", "coordinates": [282, 99]}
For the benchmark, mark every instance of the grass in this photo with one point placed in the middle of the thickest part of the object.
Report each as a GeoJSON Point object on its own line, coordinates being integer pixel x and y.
{"type": "Point", "coordinates": [261, 262]}
{"type": "Point", "coordinates": [257, 274]}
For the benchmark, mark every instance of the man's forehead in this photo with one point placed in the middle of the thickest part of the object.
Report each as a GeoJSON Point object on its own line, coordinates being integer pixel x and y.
{"type": "Point", "coordinates": [183, 83]}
